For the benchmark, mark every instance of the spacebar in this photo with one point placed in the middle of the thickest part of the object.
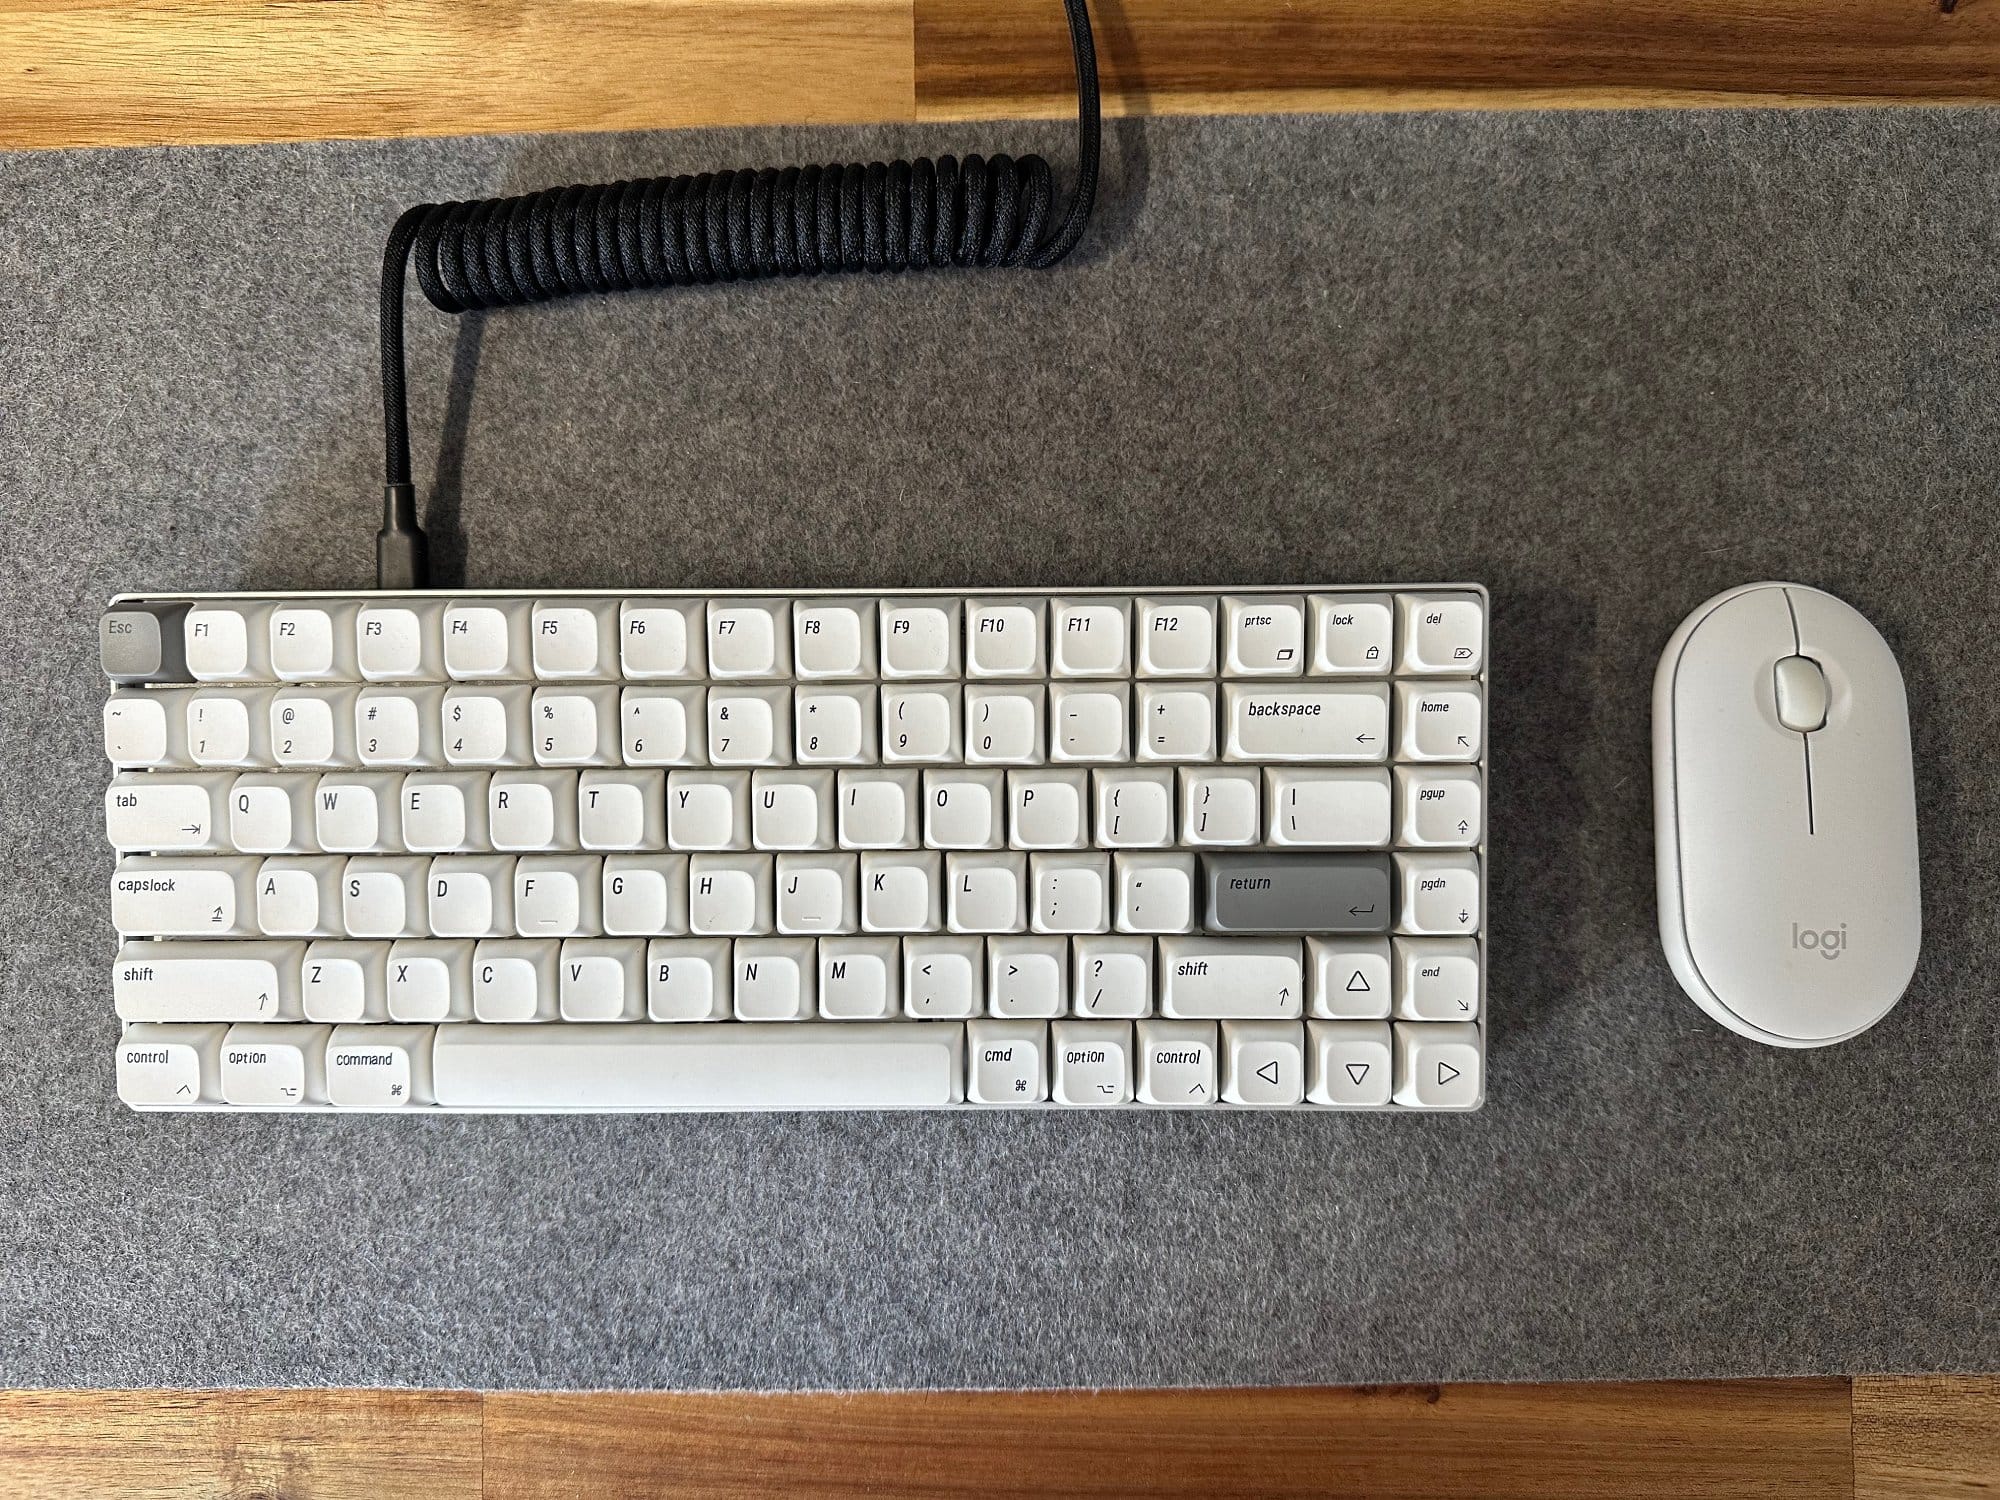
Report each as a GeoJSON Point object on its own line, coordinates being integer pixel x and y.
{"type": "Point", "coordinates": [662, 1065]}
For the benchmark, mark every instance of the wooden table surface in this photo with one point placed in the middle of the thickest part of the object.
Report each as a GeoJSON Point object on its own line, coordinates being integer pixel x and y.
{"type": "Point", "coordinates": [119, 72]}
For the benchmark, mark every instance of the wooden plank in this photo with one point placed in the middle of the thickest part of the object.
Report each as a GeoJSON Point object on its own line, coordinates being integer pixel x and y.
{"type": "Point", "coordinates": [198, 1445]}
{"type": "Point", "coordinates": [128, 72]}
{"type": "Point", "coordinates": [1687, 1441]}
{"type": "Point", "coordinates": [995, 57]}
{"type": "Point", "coordinates": [1924, 1437]}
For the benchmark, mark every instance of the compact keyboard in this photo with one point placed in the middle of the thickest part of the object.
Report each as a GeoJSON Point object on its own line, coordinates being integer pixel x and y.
{"type": "Point", "coordinates": [668, 851]}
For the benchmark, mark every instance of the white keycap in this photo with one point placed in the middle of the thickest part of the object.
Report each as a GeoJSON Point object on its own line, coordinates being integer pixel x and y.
{"type": "Point", "coordinates": [1176, 721]}
{"type": "Point", "coordinates": [601, 979]}
{"type": "Point", "coordinates": [1263, 1063]}
{"type": "Point", "coordinates": [920, 724]}
{"type": "Point", "coordinates": [186, 813]}
{"type": "Point", "coordinates": [805, 1065]}
{"type": "Point", "coordinates": [229, 727]}
{"type": "Point", "coordinates": [834, 638]}
{"type": "Point", "coordinates": [1070, 893]}
{"type": "Point", "coordinates": [1437, 979]}
{"type": "Point", "coordinates": [1090, 722]}
{"type": "Point", "coordinates": [1027, 976]}
{"type": "Point", "coordinates": [206, 896]}
{"type": "Point", "coordinates": [1176, 637]}
{"type": "Point", "coordinates": [818, 894]}
{"type": "Point", "coordinates": [528, 811]}
{"type": "Point", "coordinates": [379, 1067]}
{"type": "Point", "coordinates": [558, 895]}
{"type": "Point", "coordinates": [986, 891]}
{"type": "Point", "coordinates": [900, 892]}
{"type": "Point", "coordinates": [344, 981]}
{"type": "Point", "coordinates": [382, 896]}
{"type": "Point", "coordinates": [749, 726]}
{"type": "Point", "coordinates": [276, 1066]}
{"type": "Point", "coordinates": [878, 809]}
{"type": "Point", "coordinates": [1307, 721]}
{"type": "Point", "coordinates": [749, 638]}
{"type": "Point", "coordinates": [1048, 809]}
{"type": "Point", "coordinates": [271, 813]}
{"type": "Point", "coordinates": [920, 638]}
{"type": "Point", "coordinates": [1438, 720]}
{"type": "Point", "coordinates": [1177, 1062]}
{"type": "Point", "coordinates": [1230, 978]}
{"type": "Point", "coordinates": [645, 895]}
{"type": "Point", "coordinates": [1092, 1062]}
{"type": "Point", "coordinates": [1439, 894]}
{"type": "Point", "coordinates": [1439, 806]}
{"type": "Point", "coordinates": [228, 642]}
{"type": "Point", "coordinates": [1349, 978]}
{"type": "Point", "coordinates": [399, 726]}
{"type": "Point", "coordinates": [1003, 725]}
{"type": "Point", "coordinates": [358, 813]}
{"type": "Point", "coordinates": [965, 809]}
{"type": "Point", "coordinates": [1003, 638]}
{"type": "Point", "coordinates": [1437, 1066]}
{"type": "Point", "coordinates": [575, 726]}
{"type": "Point", "coordinates": [1090, 637]}
{"type": "Point", "coordinates": [167, 1067]}
{"type": "Point", "coordinates": [1006, 1062]}
{"type": "Point", "coordinates": [1314, 808]}
{"type": "Point", "coordinates": [1264, 635]}
{"type": "Point", "coordinates": [1219, 805]}
{"type": "Point", "coordinates": [1132, 808]}
{"type": "Point", "coordinates": [488, 639]}
{"type": "Point", "coordinates": [400, 642]}
{"type": "Point", "coordinates": [708, 810]}
{"type": "Point", "coordinates": [513, 979]}
{"type": "Point", "coordinates": [1347, 1063]}
{"type": "Point", "coordinates": [688, 979]}
{"type": "Point", "coordinates": [165, 981]}
{"type": "Point", "coordinates": [730, 895]}
{"type": "Point", "coordinates": [444, 812]}
{"type": "Point", "coordinates": [1112, 976]}
{"type": "Point", "coordinates": [664, 726]}
{"type": "Point", "coordinates": [663, 638]}
{"type": "Point", "coordinates": [621, 809]}
{"type": "Point", "coordinates": [1153, 892]}
{"type": "Point", "coordinates": [314, 642]}
{"type": "Point", "coordinates": [836, 726]}
{"type": "Point", "coordinates": [470, 896]}
{"type": "Point", "coordinates": [860, 978]}
{"type": "Point", "coordinates": [574, 638]}
{"type": "Point", "coordinates": [145, 728]}
{"type": "Point", "coordinates": [1442, 633]}
{"type": "Point", "coordinates": [300, 896]}
{"type": "Point", "coordinates": [1353, 635]}
{"type": "Point", "coordinates": [429, 979]}
{"type": "Point", "coordinates": [312, 727]}
{"type": "Point", "coordinates": [777, 979]}
{"type": "Point", "coordinates": [943, 978]}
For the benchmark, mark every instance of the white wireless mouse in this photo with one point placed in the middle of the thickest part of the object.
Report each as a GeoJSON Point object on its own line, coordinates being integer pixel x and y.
{"type": "Point", "coordinates": [1785, 816]}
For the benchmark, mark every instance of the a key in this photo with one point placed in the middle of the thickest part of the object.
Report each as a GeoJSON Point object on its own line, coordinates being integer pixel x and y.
{"type": "Point", "coordinates": [1263, 1063]}
{"type": "Point", "coordinates": [859, 978]}
{"type": "Point", "coordinates": [1264, 635]}
{"type": "Point", "coordinates": [1027, 975]}
{"type": "Point", "coordinates": [1090, 637]}
{"type": "Point", "coordinates": [689, 979]}
{"type": "Point", "coordinates": [1092, 1062]}
{"type": "Point", "coordinates": [1048, 809]}
{"type": "Point", "coordinates": [575, 725]}
{"type": "Point", "coordinates": [1006, 1062]}
{"type": "Point", "coordinates": [444, 812]}
{"type": "Point", "coordinates": [878, 809]}
{"type": "Point", "coordinates": [167, 814]}
{"type": "Point", "coordinates": [379, 1067]}
{"type": "Point", "coordinates": [1442, 633]}
{"type": "Point", "coordinates": [229, 727]}
{"type": "Point", "coordinates": [749, 726]}
{"type": "Point", "coordinates": [145, 729]}
{"type": "Point", "coordinates": [836, 726]}
{"type": "Point", "coordinates": [428, 980]}
{"type": "Point", "coordinates": [257, 981]}
{"type": "Point", "coordinates": [943, 977]}
{"type": "Point", "coordinates": [1307, 721]}
{"type": "Point", "coordinates": [1177, 1062]}
{"type": "Point", "coordinates": [1347, 1063]}
{"type": "Point", "coordinates": [471, 896]}
{"type": "Point", "coordinates": [1440, 894]}
{"type": "Point", "coordinates": [314, 642]}
{"type": "Point", "coordinates": [1437, 1066]}
{"type": "Point", "coordinates": [1317, 807]}
{"type": "Point", "coordinates": [665, 726]}
{"type": "Point", "coordinates": [1437, 979]}
{"type": "Point", "coordinates": [817, 894]}
{"type": "Point", "coordinates": [358, 813]}
{"type": "Point", "coordinates": [1440, 806]}
{"type": "Point", "coordinates": [1296, 892]}
{"type": "Point", "coordinates": [168, 1067]}
{"type": "Point", "coordinates": [1176, 637]}
{"type": "Point", "coordinates": [382, 896]}
{"type": "Point", "coordinates": [1111, 976]}
{"type": "Point", "coordinates": [529, 811]}
{"type": "Point", "coordinates": [160, 896]}
{"type": "Point", "coordinates": [312, 726]}
{"type": "Point", "coordinates": [400, 725]}
{"type": "Point", "coordinates": [1353, 635]}
{"type": "Point", "coordinates": [921, 724]}
{"type": "Point", "coordinates": [601, 979]}
{"type": "Point", "coordinates": [139, 644]}
{"type": "Point", "coordinates": [1438, 720]}
{"type": "Point", "coordinates": [777, 979]}
{"type": "Point", "coordinates": [749, 638]}
{"type": "Point", "coordinates": [300, 896]}
{"type": "Point", "coordinates": [1209, 978]}
{"type": "Point", "coordinates": [273, 1066]}
{"type": "Point", "coordinates": [1349, 978]}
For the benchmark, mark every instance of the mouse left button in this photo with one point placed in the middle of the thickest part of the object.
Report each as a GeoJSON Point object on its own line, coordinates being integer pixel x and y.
{"type": "Point", "coordinates": [143, 643]}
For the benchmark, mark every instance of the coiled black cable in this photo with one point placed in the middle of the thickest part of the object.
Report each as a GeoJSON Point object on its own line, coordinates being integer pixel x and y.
{"type": "Point", "coordinates": [722, 226]}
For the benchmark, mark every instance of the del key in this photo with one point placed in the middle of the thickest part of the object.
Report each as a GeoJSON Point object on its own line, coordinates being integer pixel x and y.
{"type": "Point", "coordinates": [1272, 893]}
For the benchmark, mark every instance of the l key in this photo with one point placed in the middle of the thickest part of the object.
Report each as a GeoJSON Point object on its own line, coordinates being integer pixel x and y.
{"type": "Point", "coordinates": [1284, 893]}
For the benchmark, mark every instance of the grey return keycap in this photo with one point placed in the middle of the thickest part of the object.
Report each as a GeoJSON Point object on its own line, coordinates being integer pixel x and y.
{"type": "Point", "coordinates": [1305, 892]}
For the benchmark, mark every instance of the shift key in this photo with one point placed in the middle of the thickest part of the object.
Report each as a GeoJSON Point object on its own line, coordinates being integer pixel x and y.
{"type": "Point", "coordinates": [1317, 893]}
{"type": "Point", "coordinates": [1209, 979]}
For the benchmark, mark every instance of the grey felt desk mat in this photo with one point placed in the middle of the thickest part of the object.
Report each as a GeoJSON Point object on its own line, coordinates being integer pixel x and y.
{"type": "Point", "coordinates": [1607, 364]}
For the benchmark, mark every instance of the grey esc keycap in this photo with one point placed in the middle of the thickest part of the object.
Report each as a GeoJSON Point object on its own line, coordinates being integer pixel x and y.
{"type": "Point", "coordinates": [1304, 892]}
{"type": "Point", "coordinates": [142, 643]}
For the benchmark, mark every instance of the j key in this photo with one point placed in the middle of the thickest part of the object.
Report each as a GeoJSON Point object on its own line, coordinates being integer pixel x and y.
{"type": "Point", "coordinates": [1245, 892]}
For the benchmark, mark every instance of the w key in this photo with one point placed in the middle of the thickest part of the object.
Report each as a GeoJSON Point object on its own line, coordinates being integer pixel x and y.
{"type": "Point", "coordinates": [1285, 893]}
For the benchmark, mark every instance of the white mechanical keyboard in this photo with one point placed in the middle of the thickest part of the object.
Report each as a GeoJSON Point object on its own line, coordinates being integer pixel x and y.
{"type": "Point", "coordinates": [827, 850]}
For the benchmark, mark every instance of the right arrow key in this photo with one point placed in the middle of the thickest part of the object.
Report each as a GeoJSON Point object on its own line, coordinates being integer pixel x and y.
{"type": "Point", "coordinates": [1437, 1065]}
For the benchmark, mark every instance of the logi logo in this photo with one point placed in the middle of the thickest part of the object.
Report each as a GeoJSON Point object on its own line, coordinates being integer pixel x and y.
{"type": "Point", "coordinates": [1830, 942]}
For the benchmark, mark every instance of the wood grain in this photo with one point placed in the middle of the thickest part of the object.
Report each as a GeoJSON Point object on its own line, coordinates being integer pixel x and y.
{"type": "Point", "coordinates": [205, 1445]}
{"type": "Point", "coordinates": [1753, 1438]}
{"type": "Point", "coordinates": [1927, 1437]}
{"type": "Point", "coordinates": [124, 72]}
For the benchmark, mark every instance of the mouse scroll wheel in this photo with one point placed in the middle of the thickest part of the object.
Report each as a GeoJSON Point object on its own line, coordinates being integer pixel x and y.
{"type": "Point", "coordinates": [1801, 693]}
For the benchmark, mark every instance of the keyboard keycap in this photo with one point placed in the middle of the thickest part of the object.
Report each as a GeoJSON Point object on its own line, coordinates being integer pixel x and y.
{"type": "Point", "coordinates": [1442, 633]}
{"type": "Point", "coordinates": [1092, 1062]}
{"type": "Point", "coordinates": [1437, 1067]}
{"type": "Point", "coordinates": [1210, 978]}
{"type": "Point", "coordinates": [158, 896]}
{"type": "Point", "coordinates": [1007, 1062]}
{"type": "Point", "coordinates": [1177, 1062]}
{"type": "Point", "coordinates": [1296, 892]}
{"type": "Point", "coordinates": [170, 1067]}
{"type": "Point", "coordinates": [1348, 1063]}
{"type": "Point", "coordinates": [1306, 722]}
{"type": "Point", "coordinates": [1353, 635]}
{"type": "Point", "coordinates": [139, 644]}
{"type": "Point", "coordinates": [253, 981]}
{"type": "Point", "coordinates": [275, 1066]}
{"type": "Point", "coordinates": [379, 1067]}
{"type": "Point", "coordinates": [1263, 1063]}
{"type": "Point", "coordinates": [167, 813]}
